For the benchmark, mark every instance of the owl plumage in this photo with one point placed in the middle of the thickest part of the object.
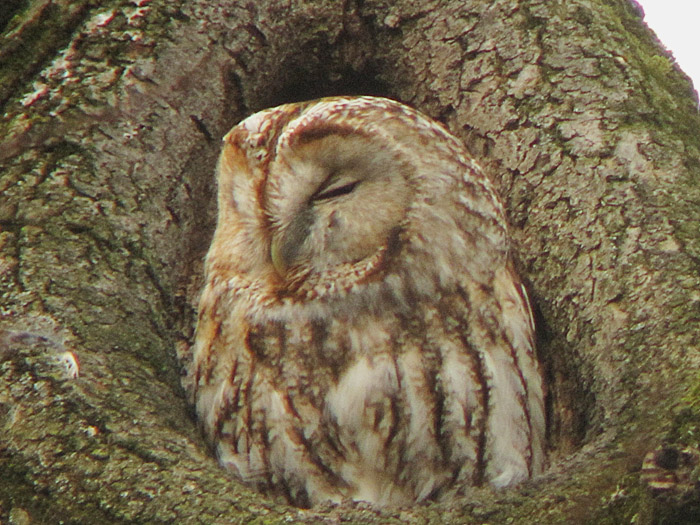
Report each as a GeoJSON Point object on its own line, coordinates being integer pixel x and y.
{"type": "Point", "coordinates": [362, 333]}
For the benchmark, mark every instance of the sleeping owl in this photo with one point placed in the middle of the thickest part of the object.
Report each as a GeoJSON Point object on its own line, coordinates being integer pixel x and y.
{"type": "Point", "coordinates": [362, 333]}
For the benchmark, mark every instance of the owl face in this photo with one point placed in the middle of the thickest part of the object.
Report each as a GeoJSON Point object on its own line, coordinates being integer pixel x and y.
{"type": "Point", "coordinates": [332, 202]}
{"type": "Point", "coordinates": [362, 333]}
{"type": "Point", "coordinates": [318, 196]}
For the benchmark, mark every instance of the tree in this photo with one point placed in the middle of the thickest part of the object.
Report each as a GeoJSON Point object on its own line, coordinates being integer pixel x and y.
{"type": "Point", "coordinates": [113, 113]}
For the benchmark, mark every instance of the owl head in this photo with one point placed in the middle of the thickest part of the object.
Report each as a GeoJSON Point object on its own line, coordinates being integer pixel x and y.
{"type": "Point", "coordinates": [326, 195]}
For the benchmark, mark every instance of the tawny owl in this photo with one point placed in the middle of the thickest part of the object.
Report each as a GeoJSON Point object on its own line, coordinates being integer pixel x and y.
{"type": "Point", "coordinates": [362, 333]}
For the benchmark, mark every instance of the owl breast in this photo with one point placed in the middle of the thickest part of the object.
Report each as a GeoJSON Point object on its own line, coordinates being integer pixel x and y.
{"type": "Point", "coordinates": [362, 333]}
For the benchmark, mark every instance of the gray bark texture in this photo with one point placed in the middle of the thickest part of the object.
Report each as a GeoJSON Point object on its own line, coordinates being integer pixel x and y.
{"type": "Point", "coordinates": [113, 113]}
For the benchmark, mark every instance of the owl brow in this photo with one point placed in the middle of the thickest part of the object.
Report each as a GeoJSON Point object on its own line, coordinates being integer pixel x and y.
{"type": "Point", "coordinates": [310, 134]}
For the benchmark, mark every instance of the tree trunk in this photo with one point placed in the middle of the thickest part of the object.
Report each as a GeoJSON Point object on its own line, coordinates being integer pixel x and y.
{"type": "Point", "coordinates": [113, 114]}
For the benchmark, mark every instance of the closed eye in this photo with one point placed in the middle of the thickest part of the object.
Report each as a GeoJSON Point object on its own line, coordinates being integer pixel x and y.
{"type": "Point", "coordinates": [335, 191]}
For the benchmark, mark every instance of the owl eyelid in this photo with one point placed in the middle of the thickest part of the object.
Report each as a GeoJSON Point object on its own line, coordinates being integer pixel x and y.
{"type": "Point", "coordinates": [335, 191]}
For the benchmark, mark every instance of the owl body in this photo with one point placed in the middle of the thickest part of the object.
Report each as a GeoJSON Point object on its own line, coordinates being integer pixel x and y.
{"type": "Point", "coordinates": [362, 333]}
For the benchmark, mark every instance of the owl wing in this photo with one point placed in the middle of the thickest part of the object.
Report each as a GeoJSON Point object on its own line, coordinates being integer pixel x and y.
{"type": "Point", "coordinates": [259, 431]}
{"type": "Point", "coordinates": [523, 395]}
{"type": "Point", "coordinates": [222, 384]}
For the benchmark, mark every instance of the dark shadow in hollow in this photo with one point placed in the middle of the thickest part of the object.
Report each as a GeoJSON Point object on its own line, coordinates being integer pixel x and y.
{"type": "Point", "coordinates": [305, 86]}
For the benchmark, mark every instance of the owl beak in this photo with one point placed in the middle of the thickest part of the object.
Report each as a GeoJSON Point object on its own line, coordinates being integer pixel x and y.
{"type": "Point", "coordinates": [276, 257]}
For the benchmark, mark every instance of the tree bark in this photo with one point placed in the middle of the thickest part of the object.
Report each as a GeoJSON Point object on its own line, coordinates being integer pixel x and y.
{"type": "Point", "coordinates": [113, 113]}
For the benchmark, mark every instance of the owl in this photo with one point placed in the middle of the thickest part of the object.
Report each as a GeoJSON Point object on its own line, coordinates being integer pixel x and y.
{"type": "Point", "coordinates": [362, 333]}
